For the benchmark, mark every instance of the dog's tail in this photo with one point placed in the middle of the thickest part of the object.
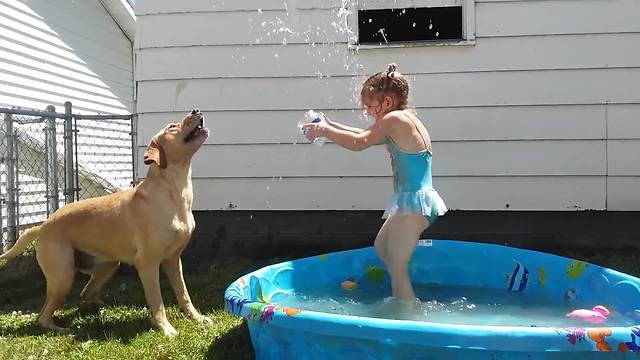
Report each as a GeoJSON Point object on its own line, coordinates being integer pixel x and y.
{"type": "Point", "coordinates": [22, 243]}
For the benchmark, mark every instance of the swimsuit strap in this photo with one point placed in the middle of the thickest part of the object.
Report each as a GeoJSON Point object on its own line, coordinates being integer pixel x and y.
{"type": "Point", "coordinates": [411, 118]}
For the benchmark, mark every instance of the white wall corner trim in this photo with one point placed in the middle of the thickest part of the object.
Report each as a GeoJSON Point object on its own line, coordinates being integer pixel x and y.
{"type": "Point", "coordinates": [123, 15]}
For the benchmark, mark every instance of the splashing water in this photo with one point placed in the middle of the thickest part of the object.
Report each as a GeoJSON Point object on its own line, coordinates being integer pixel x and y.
{"type": "Point", "coordinates": [320, 40]}
{"type": "Point", "coordinates": [444, 304]}
{"type": "Point", "coordinates": [384, 36]}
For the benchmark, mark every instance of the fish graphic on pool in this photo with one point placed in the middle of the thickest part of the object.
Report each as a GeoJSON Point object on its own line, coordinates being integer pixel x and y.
{"type": "Point", "coordinates": [519, 278]}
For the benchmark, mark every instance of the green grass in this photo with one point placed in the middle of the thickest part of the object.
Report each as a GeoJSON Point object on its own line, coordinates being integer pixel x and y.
{"type": "Point", "coordinates": [122, 330]}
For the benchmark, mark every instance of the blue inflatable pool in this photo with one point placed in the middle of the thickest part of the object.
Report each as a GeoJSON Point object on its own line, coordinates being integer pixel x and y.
{"type": "Point", "coordinates": [281, 331]}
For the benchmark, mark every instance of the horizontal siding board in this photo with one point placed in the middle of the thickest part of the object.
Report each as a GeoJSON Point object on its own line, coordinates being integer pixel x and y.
{"type": "Point", "coordinates": [622, 157]}
{"type": "Point", "coordinates": [444, 124]}
{"type": "Point", "coordinates": [144, 7]}
{"type": "Point", "coordinates": [556, 17]}
{"type": "Point", "coordinates": [266, 27]}
{"type": "Point", "coordinates": [478, 193]}
{"type": "Point", "coordinates": [516, 122]}
{"type": "Point", "coordinates": [622, 193]}
{"type": "Point", "coordinates": [551, 193]}
{"type": "Point", "coordinates": [172, 6]}
{"type": "Point", "coordinates": [525, 53]}
{"type": "Point", "coordinates": [18, 94]}
{"type": "Point", "coordinates": [441, 90]}
{"type": "Point", "coordinates": [481, 158]}
{"type": "Point", "coordinates": [10, 100]}
{"type": "Point", "coordinates": [623, 121]}
{"type": "Point", "coordinates": [243, 61]}
{"type": "Point", "coordinates": [58, 94]}
{"type": "Point", "coordinates": [57, 89]}
{"type": "Point", "coordinates": [49, 76]}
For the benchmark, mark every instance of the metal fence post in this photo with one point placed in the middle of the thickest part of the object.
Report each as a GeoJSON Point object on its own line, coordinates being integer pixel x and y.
{"type": "Point", "coordinates": [68, 154]}
{"type": "Point", "coordinates": [10, 165]}
{"type": "Point", "coordinates": [2, 198]}
{"type": "Point", "coordinates": [134, 149]}
{"type": "Point", "coordinates": [51, 159]}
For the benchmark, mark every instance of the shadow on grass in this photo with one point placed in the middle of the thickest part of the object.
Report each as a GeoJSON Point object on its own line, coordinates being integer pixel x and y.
{"type": "Point", "coordinates": [232, 345]}
{"type": "Point", "coordinates": [24, 289]}
{"type": "Point", "coordinates": [92, 328]}
{"type": "Point", "coordinates": [125, 317]}
{"type": "Point", "coordinates": [83, 321]}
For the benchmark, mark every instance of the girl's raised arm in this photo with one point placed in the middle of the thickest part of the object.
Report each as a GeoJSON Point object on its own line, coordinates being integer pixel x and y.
{"type": "Point", "coordinates": [373, 135]}
{"type": "Point", "coordinates": [340, 126]}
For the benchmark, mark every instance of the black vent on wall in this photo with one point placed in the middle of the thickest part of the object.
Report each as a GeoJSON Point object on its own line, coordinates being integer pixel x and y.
{"type": "Point", "coordinates": [410, 24]}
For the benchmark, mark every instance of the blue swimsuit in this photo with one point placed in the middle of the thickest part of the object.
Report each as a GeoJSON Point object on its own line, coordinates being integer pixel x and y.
{"type": "Point", "coordinates": [413, 190]}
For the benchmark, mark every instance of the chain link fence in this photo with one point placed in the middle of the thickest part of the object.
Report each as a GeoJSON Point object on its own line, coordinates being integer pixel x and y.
{"type": "Point", "coordinates": [50, 158]}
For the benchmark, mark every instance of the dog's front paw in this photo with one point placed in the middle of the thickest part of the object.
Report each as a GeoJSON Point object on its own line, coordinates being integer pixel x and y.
{"type": "Point", "coordinates": [168, 330]}
{"type": "Point", "coordinates": [203, 319]}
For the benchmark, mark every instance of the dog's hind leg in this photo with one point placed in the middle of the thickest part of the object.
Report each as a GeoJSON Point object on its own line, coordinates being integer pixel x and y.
{"type": "Point", "coordinates": [57, 264]}
{"type": "Point", "coordinates": [102, 272]}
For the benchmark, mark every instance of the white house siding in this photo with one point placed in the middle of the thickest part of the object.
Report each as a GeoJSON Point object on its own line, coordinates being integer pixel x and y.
{"type": "Point", "coordinates": [52, 51]}
{"type": "Point", "coordinates": [542, 113]}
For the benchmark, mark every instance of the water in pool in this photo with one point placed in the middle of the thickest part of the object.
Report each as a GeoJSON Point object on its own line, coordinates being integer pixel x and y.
{"type": "Point", "coordinates": [448, 304]}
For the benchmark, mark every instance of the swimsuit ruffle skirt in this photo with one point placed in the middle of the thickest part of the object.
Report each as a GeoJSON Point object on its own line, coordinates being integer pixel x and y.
{"type": "Point", "coordinates": [426, 202]}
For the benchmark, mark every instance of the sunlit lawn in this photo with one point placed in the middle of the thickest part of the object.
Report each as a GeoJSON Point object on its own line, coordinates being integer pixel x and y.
{"type": "Point", "coordinates": [122, 330]}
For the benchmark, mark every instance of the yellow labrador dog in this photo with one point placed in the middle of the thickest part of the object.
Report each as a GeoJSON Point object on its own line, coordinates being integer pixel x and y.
{"type": "Point", "coordinates": [147, 226]}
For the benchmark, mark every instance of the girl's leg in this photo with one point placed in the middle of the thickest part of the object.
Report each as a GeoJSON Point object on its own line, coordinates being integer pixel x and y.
{"type": "Point", "coordinates": [403, 234]}
{"type": "Point", "coordinates": [381, 241]}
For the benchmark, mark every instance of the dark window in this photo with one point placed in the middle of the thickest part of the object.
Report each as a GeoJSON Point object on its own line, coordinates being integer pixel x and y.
{"type": "Point", "coordinates": [409, 24]}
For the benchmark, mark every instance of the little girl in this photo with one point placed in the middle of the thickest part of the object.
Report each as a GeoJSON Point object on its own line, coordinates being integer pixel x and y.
{"type": "Point", "coordinates": [415, 204]}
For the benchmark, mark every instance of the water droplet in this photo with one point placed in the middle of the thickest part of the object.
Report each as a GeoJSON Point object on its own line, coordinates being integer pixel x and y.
{"type": "Point", "coordinates": [370, 21]}
{"type": "Point", "coordinates": [430, 26]}
{"type": "Point", "coordinates": [259, 11]}
{"type": "Point", "coordinates": [437, 34]}
{"type": "Point", "coordinates": [414, 24]}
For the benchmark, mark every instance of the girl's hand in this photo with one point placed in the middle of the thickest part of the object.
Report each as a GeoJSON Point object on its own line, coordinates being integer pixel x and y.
{"type": "Point", "coordinates": [313, 130]}
{"type": "Point", "coordinates": [326, 119]}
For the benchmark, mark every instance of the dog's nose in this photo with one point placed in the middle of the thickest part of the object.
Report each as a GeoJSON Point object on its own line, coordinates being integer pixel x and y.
{"type": "Point", "coordinates": [195, 111]}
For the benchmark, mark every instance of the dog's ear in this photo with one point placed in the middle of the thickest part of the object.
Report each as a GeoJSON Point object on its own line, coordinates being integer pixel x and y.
{"type": "Point", "coordinates": [155, 154]}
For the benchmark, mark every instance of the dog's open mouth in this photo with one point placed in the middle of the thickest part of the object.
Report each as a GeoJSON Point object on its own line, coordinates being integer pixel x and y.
{"type": "Point", "coordinates": [197, 131]}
